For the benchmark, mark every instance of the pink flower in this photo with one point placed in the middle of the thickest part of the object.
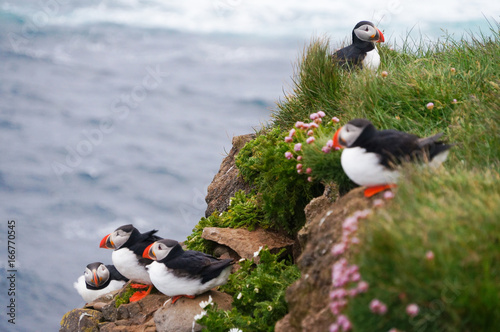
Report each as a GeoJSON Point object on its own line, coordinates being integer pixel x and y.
{"type": "Point", "coordinates": [430, 106]}
{"type": "Point", "coordinates": [429, 255]}
{"type": "Point", "coordinates": [378, 203]}
{"type": "Point", "coordinates": [310, 133]}
{"type": "Point", "coordinates": [292, 132]}
{"type": "Point", "coordinates": [299, 171]}
{"type": "Point", "coordinates": [338, 293]}
{"type": "Point", "coordinates": [362, 214]}
{"type": "Point", "coordinates": [384, 74]}
{"type": "Point", "coordinates": [313, 125]}
{"type": "Point", "coordinates": [318, 121]}
{"type": "Point", "coordinates": [343, 321]}
{"type": "Point", "coordinates": [310, 179]}
{"type": "Point", "coordinates": [334, 328]}
{"type": "Point", "coordinates": [355, 240]}
{"type": "Point", "coordinates": [337, 306]}
{"type": "Point", "coordinates": [355, 277]}
{"type": "Point", "coordinates": [454, 101]}
{"type": "Point", "coordinates": [299, 158]}
{"type": "Point", "coordinates": [453, 70]}
{"type": "Point", "coordinates": [288, 139]}
{"type": "Point", "coordinates": [362, 286]}
{"type": "Point", "coordinates": [288, 155]}
{"type": "Point", "coordinates": [321, 114]}
{"type": "Point", "coordinates": [393, 330]}
{"type": "Point", "coordinates": [310, 140]}
{"type": "Point", "coordinates": [412, 310]}
{"type": "Point", "coordinates": [299, 166]}
{"type": "Point", "coordinates": [299, 124]}
{"type": "Point", "coordinates": [326, 149]}
{"type": "Point", "coordinates": [377, 307]}
{"type": "Point", "coordinates": [339, 249]}
{"type": "Point", "coordinates": [388, 194]}
{"type": "Point", "coordinates": [335, 119]}
{"type": "Point", "coordinates": [329, 143]}
{"type": "Point", "coordinates": [309, 170]}
{"type": "Point", "coordinates": [298, 147]}
{"type": "Point", "coordinates": [314, 116]}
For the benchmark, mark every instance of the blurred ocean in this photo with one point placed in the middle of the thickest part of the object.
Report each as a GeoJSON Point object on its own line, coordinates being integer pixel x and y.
{"type": "Point", "coordinates": [120, 111]}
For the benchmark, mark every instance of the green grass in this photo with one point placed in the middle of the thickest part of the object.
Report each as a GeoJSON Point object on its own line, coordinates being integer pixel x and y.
{"type": "Point", "coordinates": [455, 215]}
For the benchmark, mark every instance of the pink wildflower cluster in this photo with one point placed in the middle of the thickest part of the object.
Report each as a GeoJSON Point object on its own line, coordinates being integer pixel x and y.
{"type": "Point", "coordinates": [378, 307]}
{"type": "Point", "coordinates": [303, 130]}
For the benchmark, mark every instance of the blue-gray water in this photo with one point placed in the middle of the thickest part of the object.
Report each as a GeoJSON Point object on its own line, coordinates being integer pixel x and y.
{"type": "Point", "coordinates": [116, 112]}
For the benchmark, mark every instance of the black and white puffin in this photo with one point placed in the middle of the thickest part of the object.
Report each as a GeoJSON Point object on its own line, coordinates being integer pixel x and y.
{"type": "Point", "coordinates": [371, 156]}
{"type": "Point", "coordinates": [178, 273]}
{"type": "Point", "coordinates": [362, 53]}
{"type": "Point", "coordinates": [129, 244]}
{"type": "Point", "coordinates": [98, 279]}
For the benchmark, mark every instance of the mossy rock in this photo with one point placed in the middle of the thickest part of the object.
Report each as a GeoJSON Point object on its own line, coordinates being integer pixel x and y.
{"type": "Point", "coordinates": [85, 320]}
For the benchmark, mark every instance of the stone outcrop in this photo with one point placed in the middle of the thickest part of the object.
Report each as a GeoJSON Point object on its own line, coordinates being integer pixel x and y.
{"type": "Point", "coordinates": [245, 243]}
{"type": "Point", "coordinates": [308, 298]}
{"type": "Point", "coordinates": [227, 181]}
{"type": "Point", "coordinates": [179, 317]}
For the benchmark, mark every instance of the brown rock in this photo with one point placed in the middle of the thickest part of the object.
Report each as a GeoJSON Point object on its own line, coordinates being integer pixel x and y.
{"type": "Point", "coordinates": [81, 320]}
{"type": "Point", "coordinates": [308, 298]}
{"type": "Point", "coordinates": [179, 317]}
{"type": "Point", "coordinates": [227, 181]}
{"type": "Point", "coordinates": [244, 242]}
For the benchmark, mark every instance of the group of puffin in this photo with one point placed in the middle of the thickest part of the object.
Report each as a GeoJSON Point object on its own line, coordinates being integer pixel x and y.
{"type": "Point", "coordinates": [369, 159]}
{"type": "Point", "coordinates": [147, 260]}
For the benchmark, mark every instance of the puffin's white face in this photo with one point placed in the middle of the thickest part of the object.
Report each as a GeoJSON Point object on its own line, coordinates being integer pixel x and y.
{"type": "Point", "coordinates": [368, 33]}
{"type": "Point", "coordinates": [119, 237]}
{"type": "Point", "coordinates": [160, 250]}
{"type": "Point", "coordinates": [349, 134]}
{"type": "Point", "coordinates": [96, 277]}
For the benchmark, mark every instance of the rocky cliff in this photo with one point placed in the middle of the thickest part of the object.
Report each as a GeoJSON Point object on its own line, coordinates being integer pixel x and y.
{"type": "Point", "coordinates": [308, 298]}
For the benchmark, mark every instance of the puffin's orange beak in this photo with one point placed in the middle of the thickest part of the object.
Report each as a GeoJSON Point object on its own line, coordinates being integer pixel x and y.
{"type": "Point", "coordinates": [381, 38]}
{"type": "Point", "coordinates": [106, 243]}
{"type": "Point", "coordinates": [148, 253]}
{"type": "Point", "coordinates": [336, 143]}
{"type": "Point", "coordinates": [96, 279]}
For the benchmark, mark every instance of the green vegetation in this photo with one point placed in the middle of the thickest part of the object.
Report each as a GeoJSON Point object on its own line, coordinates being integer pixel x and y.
{"type": "Point", "coordinates": [258, 295]}
{"type": "Point", "coordinates": [453, 213]}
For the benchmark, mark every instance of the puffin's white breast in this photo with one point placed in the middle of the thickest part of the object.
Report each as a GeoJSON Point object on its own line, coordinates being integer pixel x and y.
{"type": "Point", "coordinates": [90, 295]}
{"type": "Point", "coordinates": [372, 60]}
{"type": "Point", "coordinates": [166, 282]}
{"type": "Point", "coordinates": [127, 264]}
{"type": "Point", "coordinates": [364, 168]}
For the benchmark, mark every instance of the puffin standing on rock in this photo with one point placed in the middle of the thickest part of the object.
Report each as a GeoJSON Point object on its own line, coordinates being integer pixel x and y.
{"type": "Point", "coordinates": [362, 53]}
{"type": "Point", "coordinates": [128, 244]}
{"type": "Point", "coordinates": [97, 280]}
{"type": "Point", "coordinates": [370, 155]}
{"type": "Point", "coordinates": [178, 273]}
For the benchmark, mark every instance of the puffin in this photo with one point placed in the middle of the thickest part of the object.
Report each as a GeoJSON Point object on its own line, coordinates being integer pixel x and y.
{"type": "Point", "coordinates": [98, 279]}
{"type": "Point", "coordinates": [370, 156]}
{"type": "Point", "coordinates": [129, 244]}
{"type": "Point", "coordinates": [177, 273]}
{"type": "Point", "coordinates": [362, 53]}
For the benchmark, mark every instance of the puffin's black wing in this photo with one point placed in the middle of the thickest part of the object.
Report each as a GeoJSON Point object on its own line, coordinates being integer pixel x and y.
{"type": "Point", "coordinates": [141, 243]}
{"type": "Point", "coordinates": [114, 274]}
{"type": "Point", "coordinates": [196, 263]}
{"type": "Point", "coordinates": [349, 57]}
{"type": "Point", "coordinates": [395, 146]}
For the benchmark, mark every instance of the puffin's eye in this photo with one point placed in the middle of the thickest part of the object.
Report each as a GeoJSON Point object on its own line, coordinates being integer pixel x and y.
{"type": "Point", "coordinates": [366, 29]}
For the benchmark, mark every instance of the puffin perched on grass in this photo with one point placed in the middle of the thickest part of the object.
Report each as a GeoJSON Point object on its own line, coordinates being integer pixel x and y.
{"type": "Point", "coordinates": [97, 280]}
{"type": "Point", "coordinates": [178, 273]}
{"type": "Point", "coordinates": [362, 53]}
{"type": "Point", "coordinates": [129, 244]}
{"type": "Point", "coordinates": [371, 156]}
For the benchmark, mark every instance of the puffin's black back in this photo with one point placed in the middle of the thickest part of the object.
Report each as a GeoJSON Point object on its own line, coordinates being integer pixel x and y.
{"type": "Point", "coordinates": [395, 146]}
{"type": "Point", "coordinates": [138, 242]}
{"type": "Point", "coordinates": [192, 263]}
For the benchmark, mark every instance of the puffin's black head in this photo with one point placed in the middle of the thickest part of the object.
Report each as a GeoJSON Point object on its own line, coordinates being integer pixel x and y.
{"type": "Point", "coordinates": [96, 274]}
{"type": "Point", "coordinates": [160, 249]}
{"type": "Point", "coordinates": [348, 135]}
{"type": "Point", "coordinates": [119, 237]}
{"type": "Point", "coordinates": [366, 31]}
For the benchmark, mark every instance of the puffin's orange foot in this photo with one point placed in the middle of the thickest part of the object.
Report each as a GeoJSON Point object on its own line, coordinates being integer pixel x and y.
{"type": "Point", "coordinates": [139, 286]}
{"type": "Point", "coordinates": [370, 191]}
{"type": "Point", "coordinates": [175, 298]}
{"type": "Point", "coordinates": [141, 294]}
